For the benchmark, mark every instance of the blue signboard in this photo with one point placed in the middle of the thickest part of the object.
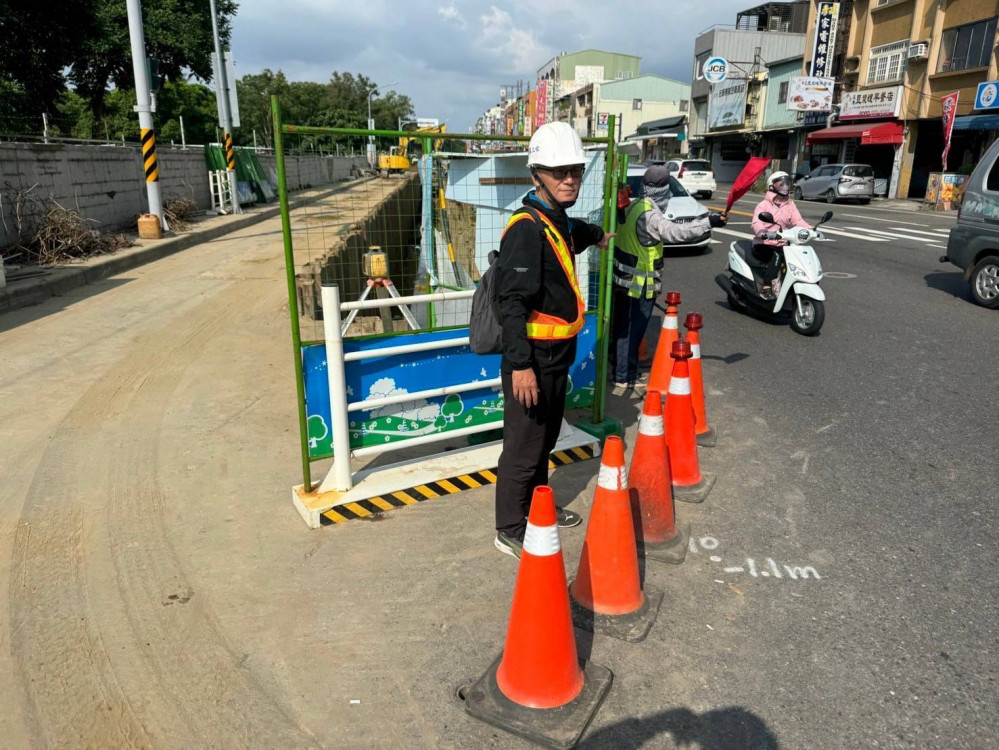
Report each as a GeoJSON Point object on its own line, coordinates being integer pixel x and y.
{"type": "Point", "coordinates": [395, 375]}
{"type": "Point", "coordinates": [987, 96]}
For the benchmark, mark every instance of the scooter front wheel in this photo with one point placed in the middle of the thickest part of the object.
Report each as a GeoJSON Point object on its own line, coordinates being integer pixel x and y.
{"type": "Point", "coordinates": [808, 316]}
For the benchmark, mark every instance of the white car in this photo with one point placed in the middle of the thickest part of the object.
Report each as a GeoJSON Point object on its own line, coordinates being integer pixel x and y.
{"type": "Point", "coordinates": [695, 175]}
{"type": "Point", "coordinates": [680, 208]}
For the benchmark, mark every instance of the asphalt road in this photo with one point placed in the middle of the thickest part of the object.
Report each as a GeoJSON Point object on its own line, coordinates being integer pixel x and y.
{"type": "Point", "coordinates": [873, 457]}
{"type": "Point", "coordinates": [159, 590]}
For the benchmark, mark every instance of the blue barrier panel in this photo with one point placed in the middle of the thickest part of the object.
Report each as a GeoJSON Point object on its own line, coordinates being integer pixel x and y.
{"type": "Point", "coordinates": [411, 372]}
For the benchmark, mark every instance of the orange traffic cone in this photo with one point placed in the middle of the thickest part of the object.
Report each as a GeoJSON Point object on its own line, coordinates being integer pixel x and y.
{"type": "Point", "coordinates": [607, 594]}
{"type": "Point", "coordinates": [706, 437]}
{"type": "Point", "coordinates": [643, 352]}
{"type": "Point", "coordinates": [658, 535]}
{"type": "Point", "coordinates": [537, 688]}
{"type": "Point", "coordinates": [662, 365]}
{"type": "Point", "coordinates": [689, 484]}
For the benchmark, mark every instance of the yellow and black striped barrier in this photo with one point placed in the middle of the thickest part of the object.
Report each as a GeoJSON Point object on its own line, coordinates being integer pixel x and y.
{"type": "Point", "coordinates": [230, 153]}
{"type": "Point", "coordinates": [149, 155]}
{"type": "Point", "coordinates": [418, 494]}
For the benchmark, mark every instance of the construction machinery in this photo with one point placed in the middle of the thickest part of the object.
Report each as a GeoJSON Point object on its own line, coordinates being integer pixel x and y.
{"type": "Point", "coordinates": [398, 159]}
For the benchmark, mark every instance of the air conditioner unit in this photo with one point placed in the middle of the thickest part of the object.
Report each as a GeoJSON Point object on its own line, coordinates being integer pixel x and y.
{"type": "Point", "coordinates": [851, 64]}
{"type": "Point", "coordinates": [919, 51]}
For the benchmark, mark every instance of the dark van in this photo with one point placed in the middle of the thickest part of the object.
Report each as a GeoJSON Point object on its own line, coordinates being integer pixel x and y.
{"type": "Point", "coordinates": [973, 245]}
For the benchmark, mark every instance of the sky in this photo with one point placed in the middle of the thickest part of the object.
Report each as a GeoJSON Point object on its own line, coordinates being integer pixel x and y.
{"type": "Point", "coordinates": [451, 57]}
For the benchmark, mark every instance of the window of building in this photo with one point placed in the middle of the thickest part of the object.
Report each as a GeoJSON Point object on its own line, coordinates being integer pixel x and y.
{"type": "Point", "coordinates": [782, 92]}
{"type": "Point", "coordinates": [967, 46]}
{"type": "Point", "coordinates": [881, 2]}
{"type": "Point", "coordinates": [684, 105]}
{"type": "Point", "coordinates": [636, 103]}
{"type": "Point", "coordinates": [885, 62]}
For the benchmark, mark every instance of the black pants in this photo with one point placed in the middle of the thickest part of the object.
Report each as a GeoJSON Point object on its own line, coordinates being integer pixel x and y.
{"type": "Point", "coordinates": [529, 435]}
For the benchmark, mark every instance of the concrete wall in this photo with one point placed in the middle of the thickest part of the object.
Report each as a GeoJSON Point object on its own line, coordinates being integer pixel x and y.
{"type": "Point", "coordinates": [106, 183]}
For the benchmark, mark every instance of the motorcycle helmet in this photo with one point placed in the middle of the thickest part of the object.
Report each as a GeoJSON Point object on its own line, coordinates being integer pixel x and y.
{"type": "Point", "coordinates": [778, 177]}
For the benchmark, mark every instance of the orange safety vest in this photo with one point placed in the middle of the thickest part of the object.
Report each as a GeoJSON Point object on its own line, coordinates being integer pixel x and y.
{"type": "Point", "coordinates": [551, 327]}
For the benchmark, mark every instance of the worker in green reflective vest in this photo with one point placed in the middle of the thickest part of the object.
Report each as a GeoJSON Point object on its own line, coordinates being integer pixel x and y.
{"type": "Point", "coordinates": [638, 269]}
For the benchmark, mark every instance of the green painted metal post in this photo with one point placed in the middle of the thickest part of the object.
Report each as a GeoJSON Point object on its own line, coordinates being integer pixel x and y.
{"type": "Point", "coordinates": [289, 265]}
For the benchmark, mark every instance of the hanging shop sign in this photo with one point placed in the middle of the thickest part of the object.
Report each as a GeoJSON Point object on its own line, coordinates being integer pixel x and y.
{"type": "Point", "coordinates": [824, 47]}
{"type": "Point", "coordinates": [520, 117]}
{"type": "Point", "coordinates": [948, 110]}
{"type": "Point", "coordinates": [987, 96]}
{"type": "Point", "coordinates": [715, 69]}
{"type": "Point", "coordinates": [541, 104]}
{"type": "Point", "coordinates": [810, 94]}
{"type": "Point", "coordinates": [727, 104]}
{"type": "Point", "coordinates": [883, 102]}
{"type": "Point", "coordinates": [602, 120]}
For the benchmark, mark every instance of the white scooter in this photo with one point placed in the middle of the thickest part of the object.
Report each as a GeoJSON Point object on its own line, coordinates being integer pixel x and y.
{"type": "Point", "coordinates": [795, 291]}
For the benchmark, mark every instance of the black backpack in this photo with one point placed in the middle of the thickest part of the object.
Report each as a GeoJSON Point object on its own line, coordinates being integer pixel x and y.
{"type": "Point", "coordinates": [485, 334]}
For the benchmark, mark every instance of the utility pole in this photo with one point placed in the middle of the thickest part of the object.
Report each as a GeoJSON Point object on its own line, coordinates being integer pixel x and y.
{"type": "Point", "coordinates": [144, 108]}
{"type": "Point", "coordinates": [45, 127]}
{"type": "Point", "coordinates": [183, 139]}
{"type": "Point", "coordinates": [223, 84]}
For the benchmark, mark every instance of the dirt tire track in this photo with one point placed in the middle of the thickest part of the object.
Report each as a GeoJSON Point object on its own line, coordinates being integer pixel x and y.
{"type": "Point", "coordinates": [103, 660]}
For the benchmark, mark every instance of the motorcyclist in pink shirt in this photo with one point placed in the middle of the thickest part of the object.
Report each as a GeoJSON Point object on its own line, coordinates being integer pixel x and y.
{"type": "Point", "coordinates": [780, 205]}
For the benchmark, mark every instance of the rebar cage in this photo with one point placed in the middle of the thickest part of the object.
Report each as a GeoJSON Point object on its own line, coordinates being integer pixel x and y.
{"type": "Point", "coordinates": [405, 240]}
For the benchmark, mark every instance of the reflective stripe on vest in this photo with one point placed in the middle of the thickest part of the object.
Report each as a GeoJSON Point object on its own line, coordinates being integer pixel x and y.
{"type": "Point", "coordinates": [541, 326]}
{"type": "Point", "coordinates": [644, 274]}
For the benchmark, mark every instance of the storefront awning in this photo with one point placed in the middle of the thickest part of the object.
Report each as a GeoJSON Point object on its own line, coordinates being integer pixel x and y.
{"type": "Point", "coordinates": [977, 122]}
{"type": "Point", "coordinates": [869, 135]}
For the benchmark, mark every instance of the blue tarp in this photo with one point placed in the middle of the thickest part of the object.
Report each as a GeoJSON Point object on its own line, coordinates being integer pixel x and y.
{"type": "Point", "coordinates": [977, 122]}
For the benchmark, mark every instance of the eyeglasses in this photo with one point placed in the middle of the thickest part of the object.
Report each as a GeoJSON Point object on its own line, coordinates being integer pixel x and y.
{"type": "Point", "coordinates": [560, 173]}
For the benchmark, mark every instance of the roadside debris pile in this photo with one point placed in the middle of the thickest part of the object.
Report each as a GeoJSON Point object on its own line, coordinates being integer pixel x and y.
{"type": "Point", "coordinates": [51, 234]}
{"type": "Point", "coordinates": [178, 211]}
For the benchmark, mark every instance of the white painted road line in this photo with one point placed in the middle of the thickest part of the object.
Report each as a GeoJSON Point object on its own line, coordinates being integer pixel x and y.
{"type": "Point", "coordinates": [934, 235]}
{"type": "Point", "coordinates": [881, 232]}
{"type": "Point", "coordinates": [826, 230]}
{"type": "Point", "coordinates": [733, 233]}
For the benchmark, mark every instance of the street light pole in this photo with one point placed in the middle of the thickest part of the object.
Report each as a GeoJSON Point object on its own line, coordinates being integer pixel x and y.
{"type": "Point", "coordinates": [223, 85]}
{"type": "Point", "coordinates": [143, 107]}
{"type": "Point", "coordinates": [371, 126]}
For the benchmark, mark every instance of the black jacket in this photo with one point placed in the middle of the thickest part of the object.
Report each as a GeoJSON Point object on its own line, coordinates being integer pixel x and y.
{"type": "Point", "coordinates": [531, 278]}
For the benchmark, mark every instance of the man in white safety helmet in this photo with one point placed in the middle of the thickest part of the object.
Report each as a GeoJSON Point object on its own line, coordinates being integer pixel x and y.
{"type": "Point", "coordinates": [779, 203]}
{"type": "Point", "coordinates": [541, 311]}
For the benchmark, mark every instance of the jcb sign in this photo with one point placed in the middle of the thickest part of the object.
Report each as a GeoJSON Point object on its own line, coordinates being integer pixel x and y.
{"type": "Point", "coordinates": [715, 69]}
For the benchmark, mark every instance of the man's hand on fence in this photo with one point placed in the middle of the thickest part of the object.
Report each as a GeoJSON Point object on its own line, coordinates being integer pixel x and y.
{"type": "Point", "coordinates": [525, 387]}
{"type": "Point", "coordinates": [606, 240]}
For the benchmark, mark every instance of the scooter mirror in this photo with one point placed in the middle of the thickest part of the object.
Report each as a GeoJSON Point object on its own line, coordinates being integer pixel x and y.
{"type": "Point", "coordinates": [766, 216]}
{"type": "Point", "coordinates": [826, 216]}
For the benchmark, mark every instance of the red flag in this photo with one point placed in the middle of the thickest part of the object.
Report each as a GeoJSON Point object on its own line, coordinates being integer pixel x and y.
{"type": "Point", "coordinates": [749, 174]}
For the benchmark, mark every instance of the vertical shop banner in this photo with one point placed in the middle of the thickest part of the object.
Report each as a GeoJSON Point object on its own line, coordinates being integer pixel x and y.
{"type": "Point", "coordinates": [520, 117]}
{"type": "Point", "coordinates": [948, 108]}
{"type": "Point", "coordinates": [824, 48]}
{"type": "Point", "coordinates": [541, 104]}
{"type": "Point", "coordinates": [727, 104]}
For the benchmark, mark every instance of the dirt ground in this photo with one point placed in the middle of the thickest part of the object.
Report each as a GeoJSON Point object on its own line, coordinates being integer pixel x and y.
{"type": "Point", "coordinates": [161, 591]}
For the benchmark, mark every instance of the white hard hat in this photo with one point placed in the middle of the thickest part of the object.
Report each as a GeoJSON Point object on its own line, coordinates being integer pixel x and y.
{"type": "Point", "coordinates": [778, 176]}
{"type": "Point", "coordinates": [555, 144]}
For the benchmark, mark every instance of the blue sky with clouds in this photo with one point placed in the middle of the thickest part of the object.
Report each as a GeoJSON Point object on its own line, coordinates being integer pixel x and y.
{"type": "Point", "coordinates": [451, 56]}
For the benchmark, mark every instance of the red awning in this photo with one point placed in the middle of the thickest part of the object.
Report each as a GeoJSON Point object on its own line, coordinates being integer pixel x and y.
{"type": "Point", "coordinates": [869, 135]}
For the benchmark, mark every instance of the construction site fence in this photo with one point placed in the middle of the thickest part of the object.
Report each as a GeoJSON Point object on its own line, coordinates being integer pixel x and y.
{"type": "Point", "coordinates": [405, 245]}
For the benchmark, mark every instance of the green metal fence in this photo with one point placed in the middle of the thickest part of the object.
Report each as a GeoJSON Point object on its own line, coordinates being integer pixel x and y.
{"type": "Point", "coordinates": [427, 223]}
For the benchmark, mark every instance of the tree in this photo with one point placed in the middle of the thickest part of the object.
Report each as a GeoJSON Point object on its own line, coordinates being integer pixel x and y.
{"type": "Point", "coordinates": [178, 33]}
{"type": "Point", "coordinates": [196, 103]}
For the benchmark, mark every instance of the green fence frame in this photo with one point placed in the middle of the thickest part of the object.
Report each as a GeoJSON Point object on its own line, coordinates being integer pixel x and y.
{"type": "Point", "coordinates": [600, 425]}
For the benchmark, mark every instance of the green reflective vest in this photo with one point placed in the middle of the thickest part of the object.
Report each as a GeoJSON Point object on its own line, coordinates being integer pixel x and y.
{"type": "Point", "coordinates": [637, 268]}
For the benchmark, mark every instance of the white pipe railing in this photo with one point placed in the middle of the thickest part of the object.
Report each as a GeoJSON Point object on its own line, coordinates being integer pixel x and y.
{"type": "Point", "coordinates": [436, 437]}
{"type": "Point", "coordinates": [369, 304]}
{"type": "Point", "coordinates": [388, 351]}
{"type": "Point", "coordinates": [375, 403]}
{"type": "Point", "coordinates": [340, 477]}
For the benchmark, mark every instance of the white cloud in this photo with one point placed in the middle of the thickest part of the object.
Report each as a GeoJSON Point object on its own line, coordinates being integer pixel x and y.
{"type": "Point", "coordinates": [450, 13]}
{"type": "Point", "coordinates": [505, 40]}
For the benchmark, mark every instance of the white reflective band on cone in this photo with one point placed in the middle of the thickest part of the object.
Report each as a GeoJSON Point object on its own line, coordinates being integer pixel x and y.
{"type": "Point", "coordinates": [679, 386]}
{"type": "Point", "coordinates": [670, 322]}
{"type": "Point", "coordinates": [612, 477]}
{"type": "Point", "coordinates": [541, 541]}
{"type": "Point", "coordinates": [695, 351]}
{"type": "Point", "coordinates": [648, 425]}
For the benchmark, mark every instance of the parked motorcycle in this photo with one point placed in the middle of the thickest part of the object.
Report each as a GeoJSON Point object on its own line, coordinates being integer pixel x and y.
{"type": "Point", "coordinates": [794, 293]}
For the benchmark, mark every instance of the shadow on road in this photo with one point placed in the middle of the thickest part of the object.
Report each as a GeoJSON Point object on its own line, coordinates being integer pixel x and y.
{"type": "Point", "coordinates": [45, 306]}
{"type": "Point", "coordinates": [722, 729]}
{"type": "Point", "coordinates": [951, 282]}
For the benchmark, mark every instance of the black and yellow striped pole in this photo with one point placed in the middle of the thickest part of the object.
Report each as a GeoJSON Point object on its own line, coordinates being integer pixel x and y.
{"type": "Point", "coordinates": [230, 154]}
{"type": "Point", "coordinates": [225, 113]}
{"type": "Point", "coordinates": [144, 108]}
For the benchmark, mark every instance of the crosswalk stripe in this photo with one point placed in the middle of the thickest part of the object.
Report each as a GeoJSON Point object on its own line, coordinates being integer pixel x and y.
{"type": "Point", "coordinates": [826, 230]}
{"type": "Point", "coordinates": [733, 233]}
{"type": "Point", "coordinates": [936, 234]}
{"type": "Point", "coordinates": [881, 232]}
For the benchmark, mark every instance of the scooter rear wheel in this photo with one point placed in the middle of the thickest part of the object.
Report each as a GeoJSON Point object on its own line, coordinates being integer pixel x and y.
{"type": "Point", "coordinates": [809, 318]}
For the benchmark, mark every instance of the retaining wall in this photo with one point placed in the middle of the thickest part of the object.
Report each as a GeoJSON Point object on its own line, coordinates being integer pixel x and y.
{"type": "Point", "coordinates": [107, 185]}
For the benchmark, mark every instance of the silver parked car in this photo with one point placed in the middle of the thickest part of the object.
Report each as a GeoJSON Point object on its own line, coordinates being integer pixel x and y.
{"type": "Point", "coordinates": [834, 182]}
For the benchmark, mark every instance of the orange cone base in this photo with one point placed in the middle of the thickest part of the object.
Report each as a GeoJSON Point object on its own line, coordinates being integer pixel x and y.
{"type": "Point", "coordinates": [695, 493]}
{"type": "Point", "coordinates": [707, 439]}
{"type": "Point", "coordinates": [560, 728]}
{"type": "Point", "coordinates": [631, 627]}
{"type": "Point", "coordinates": [672, 551]}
